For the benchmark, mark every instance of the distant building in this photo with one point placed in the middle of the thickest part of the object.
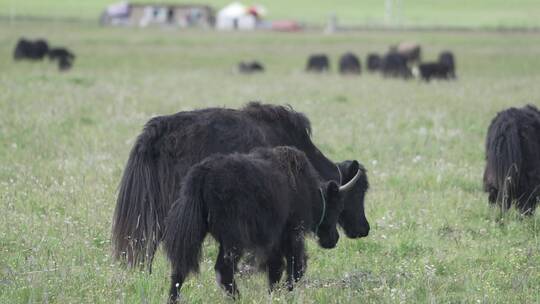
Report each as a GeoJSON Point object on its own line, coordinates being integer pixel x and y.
{"type": "Point", "coordinates": [236, 16]}
{"type": "Point", "coordinates": [141, 14]}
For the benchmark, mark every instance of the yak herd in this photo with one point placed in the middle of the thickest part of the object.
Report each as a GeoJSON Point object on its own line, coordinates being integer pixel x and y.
{"type": "Point", "coordinates": [401, 61]}
{"type": "Point", "coordinates": [253, 179]}
{"type": "Point", "coordinates": [36, 50]}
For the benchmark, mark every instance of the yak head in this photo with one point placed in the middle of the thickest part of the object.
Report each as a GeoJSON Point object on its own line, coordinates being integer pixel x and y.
{"type": "Point", "coordinates": [352, 192]}
{"type": "Point", "coordinates": [332, 206]}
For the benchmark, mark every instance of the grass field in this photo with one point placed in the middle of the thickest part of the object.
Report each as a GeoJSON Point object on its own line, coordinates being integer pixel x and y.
{"type": "Point", "coordinates": [423, 13]}
{"type": "Point", "coordinates": [65, 137]}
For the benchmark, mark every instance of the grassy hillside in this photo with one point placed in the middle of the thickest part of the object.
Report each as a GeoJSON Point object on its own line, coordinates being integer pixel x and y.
{"type": "Point", "coordinates": [476, 13]}
{"type": "Point", "coordinates": [65, 137]}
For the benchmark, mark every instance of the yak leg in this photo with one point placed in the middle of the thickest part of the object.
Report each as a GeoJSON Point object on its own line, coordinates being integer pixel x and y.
{"type": "Point", "coordinates": [295, 253]}
{"type": "Point", "coordinates": [225, 268]}
{"type": "Point", "coordinates": [177, 279]}
{"type": "Point", "coordinates": [274, 268]}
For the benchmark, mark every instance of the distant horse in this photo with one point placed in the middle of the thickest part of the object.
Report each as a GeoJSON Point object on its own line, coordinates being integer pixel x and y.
{"type": "Point", "coordinates": [264, 202]}
{"type": "Point", "coordinates": [512, 173]}
{"type": "Point", "coordinates": [170, 145]}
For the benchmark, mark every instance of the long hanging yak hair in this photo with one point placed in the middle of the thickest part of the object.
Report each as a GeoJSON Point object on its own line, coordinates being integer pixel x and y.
{"type": "Point", "coordinates": [512, 173]}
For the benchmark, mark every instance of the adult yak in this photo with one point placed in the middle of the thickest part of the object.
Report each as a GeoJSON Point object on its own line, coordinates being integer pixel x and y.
{"type": "Point", "coordinates": [318, 63]}
{"type": "Point", "coordinates": [349, 64]}
{"type": "Point", "coordinates": [170, 145]}
{"type": "Point", "coordinates": [31, 50]}
{"type": "Point", "coordinates": [512, 173]}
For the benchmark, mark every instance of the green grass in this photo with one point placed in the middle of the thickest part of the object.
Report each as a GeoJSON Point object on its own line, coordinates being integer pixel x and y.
{"type": "Point", "coordinates": [65, 137]}
{"type": "Point", "coordinates": [461, 13]}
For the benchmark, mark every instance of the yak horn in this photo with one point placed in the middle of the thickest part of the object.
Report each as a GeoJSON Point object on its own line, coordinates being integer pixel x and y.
{"type": "Point", "coordinates": [351, 183]}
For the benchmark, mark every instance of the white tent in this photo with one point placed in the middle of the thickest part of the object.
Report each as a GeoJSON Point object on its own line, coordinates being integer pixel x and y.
{"type": "Point", "coordinates": [235, 16]}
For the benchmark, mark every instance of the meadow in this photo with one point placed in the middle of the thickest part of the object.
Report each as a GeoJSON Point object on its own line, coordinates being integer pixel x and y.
{"type": "Point", "coordinates": [65, 137]}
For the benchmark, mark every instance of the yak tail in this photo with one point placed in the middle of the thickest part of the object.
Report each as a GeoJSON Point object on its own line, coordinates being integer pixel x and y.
{"type": "Point", "coordinates": [504, 157]}
{"type": "Point", "coordinates": [186, 227]}
{"type": "Point", "coordinates": [143, 200]}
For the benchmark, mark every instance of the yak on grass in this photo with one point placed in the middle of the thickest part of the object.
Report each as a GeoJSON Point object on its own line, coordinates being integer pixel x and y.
{"type": "Point", "coordinates": [170, 145]}
{"type": "Point", "coordinates": [264, 202]}
{"type": "Point", "coordinates": [512, 173]}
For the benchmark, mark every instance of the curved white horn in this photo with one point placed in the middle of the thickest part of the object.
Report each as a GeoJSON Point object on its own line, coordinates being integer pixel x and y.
{"type": "Point", "coordinates": [351, 183]}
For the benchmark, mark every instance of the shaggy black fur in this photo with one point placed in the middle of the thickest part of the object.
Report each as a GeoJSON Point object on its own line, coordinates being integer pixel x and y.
{"type": "Point", "coordinates": [170, 145]}
{"type": "Point", "coordinates": [395, 65]}
{"type": "Point", "coordinates": [31, 50]}
{"type": "Point", "coordinates": [512, 173]}
{"type": "Point", "coordinates": [63, 56]}
{"type": "Point", "coordinates": [264, 202]}
{"type": "Point", "coordinates": [250, 67]}
{"type": "Point", "coordinates": [318, 63]}
{"type": "Point", "coordinates": [374, 62]}
{"type": "Point", "coordinates": [349, 64]}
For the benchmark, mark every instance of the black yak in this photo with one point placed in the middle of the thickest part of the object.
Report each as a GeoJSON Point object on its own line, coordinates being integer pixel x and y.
{"type": "Point", "coordinates": [31, 50]}
{"type": "Point", "coordinates": [318, 63]}
{"type": "Point", "coordinates": [349, 64]}
{"type": "Point", "coordinates": [264, 202]}
{"type": "Point", "coordinates": [64, 57]}
{"type": "Point", "coordinates": [374, 62]}
{"type": "Point", "coordinates": [512, 173]}
{"type": "Point", "coordinates": [250, 67]}
{"type": "Point", "coordinates": [434, 70]}
{"type": "Point", "coordinates": [170, 145]}
{"type": "Point", "coordinates": [447, 58]}
{"type": "Point", "coordinates": [395, 65]}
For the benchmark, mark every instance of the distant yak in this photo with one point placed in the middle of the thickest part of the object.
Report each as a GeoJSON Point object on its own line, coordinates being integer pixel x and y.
{"type": "Point", "coordinates": [434, 70]}
{"type": "Point", "coordinates": [250, 67]}
{"type": "Point", "coordinates": [447, 58]}
{"type": "Point", "coordinates": [395, 65]}
{"type": "Point", "coordinates": [263, 202]}
{"type": "Point", "coordinates": [443, 69]}
{"type": "Point", "coordinates": [374, 62]}
{"type": "Point", "coordinates": [349, 64]}
{"type": "Point", "coordinates": [170, 145]}
{"type": "Point", "coordinates": [318, 63]}
{"type": "Point", "coordinates": [512, 173]}
{"type": "Point", "coordinates": [31, 50]}
{"type": "Point", "coordinates": [64, 57]}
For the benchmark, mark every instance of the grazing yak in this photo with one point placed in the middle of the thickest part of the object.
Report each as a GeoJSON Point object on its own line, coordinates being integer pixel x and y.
{"type": "Point", "coordinates": [250, 67]}
{"type": "Point", "coordinates": [412, 52]}
{"type": "Point", "coordinates": [434, 70]}
{"type": "Point", "coordinates": [31, 50]}
{"type": "Point", "coordinates": [512, 173]}
{"type": "Point", "coordinates": [447, 58]}
{"type": "Point", "coordinates": [63, 56]}
{"type": "Point", "coordinates": [374, 62]}
{"type": "Point", "coordinates": [395, 65]}
{"type": "Point", "coordinates": [318, 63]}
{"type": "Point", "coordinates": [349, 64]}
{"type": "Point", "coordinates": [263, 202]}
{"type": "Point", "coordinates": [170, 145]}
